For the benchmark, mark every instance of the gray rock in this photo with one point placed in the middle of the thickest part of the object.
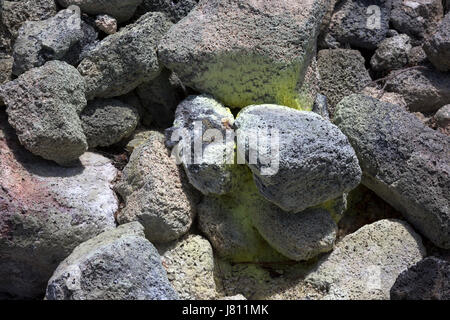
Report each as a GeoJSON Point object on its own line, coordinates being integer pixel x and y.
{"type": "Point", "coordinates": [300, 236]}
{"type": "Point", "coordinates": [427, 280]}
{"type": "Point", "coordinates": [108, 121]}
{"type": "Point", "coordinates": [126, 59]}
{"type": "Point", "coordinates": [118, 264]}
{"type": "Point", "coordinates": [174, 9]}
{"type": "Point", "coordinates": [365, 264]}
{"type": "Point", "coordinates": [361, 23]}
{"type": "Point", "coordinates": [424, 90]}
{"type": "Point", "coordinates": [417, 18]}
{"type": "Point", "coordinates": [403, 161]}
{"type": "Point", "coordinates": [43, 105]}
{"type": "Point", "coordinates": [231, 50]}
{"type": "Point", "coordinates": [417, 56]}
{"type": "Point", "coordinates": [156, 192]}
{"type": "Point", "coordinates": [122, 10]}
{"type": "Point", "coordinates": [209, 169]}
{"type": "Point", "coordinates": [342, 72]}
{"type": "Point", "coordinates": [442, 117]}
{"type": "Point", "coordinates": [42, 41]}
{"type": "Point", "coordinates": [106, 23]}
{"type": "Point", "coordinates": [321, 106]}
{"type": "Point", "coordinates": [46, 211]}
{"type": "Point", "coordinates": [6, 64]}
{"type": "Point", "coordinates": [437, 47]}
{"type": "Point", "coordinates": [160, 98]}
{"type": "Point", "coordinates": [16, 13]}
{"type": "Point", "coordinates": [392, 53]}
{"type": "Point", "coordinates": [313, 164]}
{"type": "Point", "coordinates": [189, 263]}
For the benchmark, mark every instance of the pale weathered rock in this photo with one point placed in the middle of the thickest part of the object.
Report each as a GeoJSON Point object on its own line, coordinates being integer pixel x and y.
{"type": "Point", "coordinates": [46, 211]}
{"type": "Point", "coordinates": [310, 162]}
{"type": "Point", "coordinates": [209, 168]}
{"type": "Point", "coordinates": [126, 59]}
{"type": "Point", "coordinates": [365, 264]}
{"type": "Point", "coordinates": [442, 117]}
{"type": "Point", "coordinates": [390, 97]}
{"type": "Point", "coordinates": [108, 121]}
{"type": "Point", "coordinates": [43, 105]}
{"type": "Point", "coordinates": [106, 23]}
{"type": "Point", "coordinates": [122, 10]}
{"type": "Point", "coordinates": [245, 52]}
{"type": "Point", "coordinates": [156, 192]}
{"type": "Point", "coordinates": [342, 72]}
{"type": "Point", "coordinates": [424, 90]}
{"type": "Point", "coordinates": [236, 297]}
{"type": "Point", "coordinates": [189, 264]}
{"type": "Point", "coordinates": [360, 23]}
{"type": "Point", "coordinates": [416, 18]}
{"type": "Point", "coordinates": [392, 53]}
{"type": "Point", "coordinates": [119, 264]}
{"type": "Point", "coordinates": [437, 46]}
{"type": "Point", "coordinates": [427, 280]}
{"type": "Point", "coordinates": [403, 161]}
{"type": "Point", "coordinates": [51, 39]}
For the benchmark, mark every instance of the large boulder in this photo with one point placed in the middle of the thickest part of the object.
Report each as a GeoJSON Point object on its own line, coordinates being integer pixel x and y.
{"type": "Point", "coordinates": [418, 18]}
{"type": "Point", "coordinates": [342, 72]}
{"type": "Point", "coordinates": [427, 280]}
{"type": "Point", "coordinates": [392, 53]}
{"type": "Point", "coordinates": [403, 161]}
{"type": "Point", "coordinates": [424, 89]}
{"type": "Point", "coordinates": [51, 39]}
{"type": "Point", "coordinates": [156, 192]}
{"type": "Point", "coordinates": [126, 59]}
{"type": "Point", "coordinates": [108, 121]}
{"type": "Point", "coordinates": [189, 263]}
{"type": "Point", "coordinates": [46, 211]}
{"type": "Point", "coordinates": [174, 9]}
{"type": "Point", "coordinates": [245, 52]}
{"type": "Point", "coordinates": [365, 264]}
{"type": "Point", "coordinates": [122, 10]}
{"type": "Point", "coordinates": [360, 23]}
{"type": "Point", "coordinates": [43, 105]}
{"type": "Point", "coordinates": [209, 165]}
{"type": "Point", "coordinates": [119, 264]}
{"type": "Point", "coordinates": [310, 160]}
{"type": "Point", "coordinates": [437, 47]}
{"type": "Point", "coordinates": [16, 13]}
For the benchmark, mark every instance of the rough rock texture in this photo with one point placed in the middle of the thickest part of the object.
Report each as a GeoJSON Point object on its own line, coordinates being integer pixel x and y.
{"type": "Point", "coordinates": [174, 9]}
{"type": "Point", "coordinates": [342, 72]}
{"type": "Point", "coordinates": [310, 87]}
{"type": "Point", "coordinates": [416, 18]}
{"type": "Point", "coordinates": [156, 192]}
{"type": "Point", "coordinates": [299, 236]}
{"type": "Point", "coordinates": [122, 10]}
{"type": "Point", "coordinates": [365, 264]}
{"type": "Point", "coordinates": [46, 211]}
{"type": "Point", "coordinates": [437, 46]}
{"type": "Point", "coordinates": [126, 59]}
{"type": "Point", "coordinates": [15, 13]}
{"type": "Point", "coordinates": [442, 117]}
{"type": "Point", "coordinates": [106, 23]}
{"type": "Point", "coordinates": [427, 280]}
{"type": "Point", "coordinates": [119, 264]}
{"type": "Point", "coordinates": [108, 121]}
{"type": "Point", "coordinates": [360, 23]}
{"type": "Point", "coordinates": [392, 53]}
{"type": "Point", "coordinates": [424, 90]}
{"type": "Point", "coordinates": [403, 161]}
{"type": "Point", "coordinates": [313, 162]}
{"type": "Point", "coordinates": [321, 106]}
{"type": "Point", "coordinates": [209, 166]}
{"type": "Point", "coordinates": [417, 56]}
{"type": "Point", "coordinates": [160, 98]}
{"type": "Point", "coordinates": [43, 105]}
{"type": "Point", "coordinates": [6, 63]}
{"type": "Point", "coordinates": [390, 97]}
{"type": "Point", "coordinates": [42, 41]}
{"type": "Point", "coordinates": [245, 52]}
{"type": "Point", "coordinates": [189, 263]}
